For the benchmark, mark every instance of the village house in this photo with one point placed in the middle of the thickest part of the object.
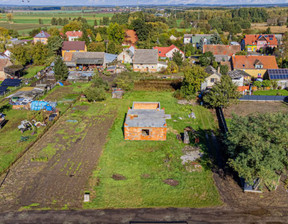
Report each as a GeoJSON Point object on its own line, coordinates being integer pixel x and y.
{"type": "Point", "coordinates": [41, 37]}
{"type": "Point", "coordinates": [197, 39]}
{"type": "Point", "coordinates": [126, 56]}
{"type": "Point", "coordinates": [146, 121]}
{"type": "Point", "coordinates": [167, 52]}
{"type": "Point", "coordinates": [222, 52]}
{"type": "Point", "coordinates": [213, 77]}
{"type": "Point", "coordinates": [239, 77]}
{"type": "Point", "coordinates": [145, 60]}
{"type": "Point", "coordinates": [255, 42]}
{"type": "Point", "coordinates": [279, 75]}
{"type": "Point", "coordinates": [73, 46]}
{"type": "Point", "coordinates": [4, 62]}
{"type": "Point", "coordinates": [130, 38]}
{"type": "Point", "coordinates": [254, 65]}
{"type": "Point", "coordinates": [74, 35]}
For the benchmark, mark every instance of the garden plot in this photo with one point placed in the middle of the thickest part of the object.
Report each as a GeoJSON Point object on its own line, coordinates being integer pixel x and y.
{"type": "Point", "coordinates": [53, 173]}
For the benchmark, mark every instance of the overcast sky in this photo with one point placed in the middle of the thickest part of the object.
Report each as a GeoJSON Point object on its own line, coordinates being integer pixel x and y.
{"type": "Point", "coordinates": [133, 2]}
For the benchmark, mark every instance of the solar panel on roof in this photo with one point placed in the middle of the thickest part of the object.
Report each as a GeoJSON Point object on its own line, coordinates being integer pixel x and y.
{"type": "Point", "coordinates": [3, 89]}
{"type": "Point", "coordinates": [11, 82]}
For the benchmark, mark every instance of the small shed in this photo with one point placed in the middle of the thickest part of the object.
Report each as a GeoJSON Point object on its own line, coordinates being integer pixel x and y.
{"type": "Point", "coordinates": [146, 121]}
{"type": "Point", "coordinates": [117, 93]}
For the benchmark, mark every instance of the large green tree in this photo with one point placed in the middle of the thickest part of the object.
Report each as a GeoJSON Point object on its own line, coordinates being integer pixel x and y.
{"type": "Point", "coordinates": [206, 59]}
{"type": "Point", "coordinates": [39, 53]}
{"type": "Point", "coordinates": [21, 54]}
{"type": "Point", "coordinates": [222, 94]}
{"type": "Point", "coordinates": [177, 58]}
{"type": "Point", "coordinates": [55, 44]}
{"type": "Point", "coordinates": [193, 78]}
{"type": "Point", "coordinates": [60, 69]}
{"type": "Point", "coordinates": [257, 146]}
{"type": "Point", "coordinates": [116, 33]}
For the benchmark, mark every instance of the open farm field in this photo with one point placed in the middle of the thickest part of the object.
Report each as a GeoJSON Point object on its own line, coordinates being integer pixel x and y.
{"type": "Point", "coordinates": [274, 29]}
{"type": "Point", "coordinates": [33, 17]}
{"type": "Point", "coordinates": [246, 108]}
{"type": "Point", "coordinates": [146, 164]}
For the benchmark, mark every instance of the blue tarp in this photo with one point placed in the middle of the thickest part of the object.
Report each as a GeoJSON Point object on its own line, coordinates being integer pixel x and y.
{"type": "Point", "coordinates": [40, 105]}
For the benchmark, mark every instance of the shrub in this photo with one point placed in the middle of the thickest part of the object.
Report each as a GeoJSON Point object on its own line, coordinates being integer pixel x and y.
{"type": "Point", "coordinates": [95, 94]}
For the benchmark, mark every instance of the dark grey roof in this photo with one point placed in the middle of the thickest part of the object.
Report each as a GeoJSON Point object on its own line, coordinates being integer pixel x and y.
{"type": "Point", "coordinates": [145, 118]}
{"type": "Point", "coordinates": [236, 74]}
{"type": "Point", "coordinates": [219, 58]}
{"type": "Point", "coordinates": [145, 56]}
{"type": "Point", "coordinates": [210, 70]}
{"type": "Point", "coordinates": [89, 58]}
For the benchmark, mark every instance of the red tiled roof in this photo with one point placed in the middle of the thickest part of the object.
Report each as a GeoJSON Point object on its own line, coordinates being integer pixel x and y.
{"type": "Point", "coordinates": [74, 34]}
{"type": "Point", "coordinates": [218, 49]}
{"type": "Point", "coordinates": [162, 51]}
{"type": "Point", "coordinates": [248, 62]}
{"type": "Point", "coordinates": [252, 39]}
{"type": "Point", "coordinates": [131, 37]}
{"type": "Point", "coordinates": [73, 45]}
{"type": "Point", "coordinates": [242, 88]}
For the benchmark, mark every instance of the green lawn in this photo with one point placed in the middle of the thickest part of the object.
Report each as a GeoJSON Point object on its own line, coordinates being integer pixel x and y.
{"type": "Point", "coordinates": [32, 71]}
{"type": "Point", "coordinates": [274, 92]}
{"type": "Point", "coordinates": [158, 160]}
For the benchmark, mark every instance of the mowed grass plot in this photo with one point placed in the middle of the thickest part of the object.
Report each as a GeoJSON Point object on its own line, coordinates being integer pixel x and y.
{"type": "Point", "coordinates": [273, 92]}
{"type": "Point", "coordinates": [32, 71]}
{"type": "Point", "coordinates": [146, 164]}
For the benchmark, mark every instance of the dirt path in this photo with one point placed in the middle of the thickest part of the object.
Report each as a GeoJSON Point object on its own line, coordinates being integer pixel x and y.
{"type": "Point", "coordinates": [59, 181]}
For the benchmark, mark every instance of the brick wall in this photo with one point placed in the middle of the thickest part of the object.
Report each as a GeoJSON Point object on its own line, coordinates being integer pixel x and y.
{"type": "Point", "coordinates": [135, 133]}
{"type": "Point", "coordinates": [146, 106]}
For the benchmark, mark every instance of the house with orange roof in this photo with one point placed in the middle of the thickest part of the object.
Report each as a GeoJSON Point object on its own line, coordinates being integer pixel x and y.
{"type": "Point", "coordinates": [130, 38]}
{"type": "Point", "coordinates": [222, 52]}
{"type": "Point", "coordinates": [167, 52]}
{"type": "Point", "coordinates": [255, 42]}
{"type": "Point", "coordinates": [74, 35]}
{"type": "Point", "coordinates": [256, 66]}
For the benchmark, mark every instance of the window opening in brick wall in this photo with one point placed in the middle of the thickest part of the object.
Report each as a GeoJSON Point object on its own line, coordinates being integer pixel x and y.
{"type": "Point", "coordinates": [145, 132]}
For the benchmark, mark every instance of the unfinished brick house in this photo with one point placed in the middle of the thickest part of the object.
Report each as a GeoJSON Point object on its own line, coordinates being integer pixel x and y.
{"type": "Point", "coordinates": [146, 121]}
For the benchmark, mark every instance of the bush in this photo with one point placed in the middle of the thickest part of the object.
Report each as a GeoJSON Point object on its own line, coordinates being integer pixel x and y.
{"type": "Point", "coordinates": [258, 84]}
{"type": "Point", "coordinates": [95, 94]}
{"type": "Point", "coordinates": [126, 80]}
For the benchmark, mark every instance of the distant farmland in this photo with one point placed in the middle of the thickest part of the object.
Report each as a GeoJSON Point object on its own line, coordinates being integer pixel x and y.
{"type": "Point", "coordinates": [24, 22]}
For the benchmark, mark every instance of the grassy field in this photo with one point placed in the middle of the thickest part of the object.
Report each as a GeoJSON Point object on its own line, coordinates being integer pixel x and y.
{"type": "Point", "coordinates": [273, 92]}
{"type": "Point", "coordinates": [32, 71]}
{"type": "Point", "coordinates": [24, 22]}
{"type": "Point", "coordinates": [146, 164]}
{"type": "Point", "coordinates": [263, 27]}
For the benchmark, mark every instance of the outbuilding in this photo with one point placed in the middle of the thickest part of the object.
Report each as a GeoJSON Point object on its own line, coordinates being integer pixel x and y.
{"type": "Point", "coordinates": [146, 121]}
